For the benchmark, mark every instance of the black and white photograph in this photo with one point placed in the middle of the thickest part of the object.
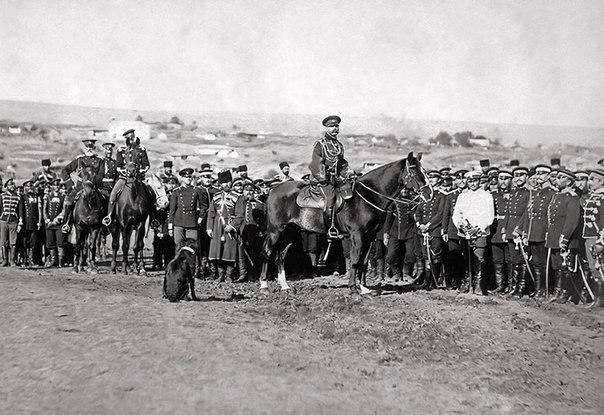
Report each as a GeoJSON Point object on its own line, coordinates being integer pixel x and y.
{"type": "Point", "coordinates": [302, 207]}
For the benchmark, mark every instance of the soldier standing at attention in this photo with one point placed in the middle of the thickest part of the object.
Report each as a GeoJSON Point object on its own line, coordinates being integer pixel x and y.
{"type": "Point", "coordinates": [250, 222]}
{"type": "Point", "coordinates": [564, 236]}
{"type": "Point", "coordinates": [499, 243]}
{"type": "Point", "coordinates": [207, 192]}
{"type": "Point", "coordinates": [163, 242]}
{"type": "Point", "coordinates": [10, 222]}
{"type": "Point", "coordinates": [31, 215]}
{"type": "Point", "coordinates": [185, 205]}
{"type": "Point", "coordinates": [453, 258]}
{"type": "Point", "coordinates": [134, 155]}
{"type": "Point", "coordinates": [533, 226]}
{"type": "Point", "coordinates": [516, 207]}
{"type": "Point", "coordinates": [428, 220]}
{"type": "Point", "coordinates": [473, 215]}
{"type": "Point", "coordinates": [51, 207]}
{"type": "Point", "coordinates": [223, 244]}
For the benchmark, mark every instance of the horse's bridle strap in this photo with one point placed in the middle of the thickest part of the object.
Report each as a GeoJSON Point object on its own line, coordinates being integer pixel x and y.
{"type": "Point", "coordinates": [186, 248]}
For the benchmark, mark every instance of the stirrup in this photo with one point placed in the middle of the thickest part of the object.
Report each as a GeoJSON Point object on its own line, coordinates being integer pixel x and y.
{"type": "Point", "coordinates": [107, 220]}
{"type": "Point", "coordinates": [333, 232]}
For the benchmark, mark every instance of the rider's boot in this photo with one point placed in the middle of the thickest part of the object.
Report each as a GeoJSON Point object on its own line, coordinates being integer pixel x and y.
{"type": "Point", "coordinates": [423, 272]}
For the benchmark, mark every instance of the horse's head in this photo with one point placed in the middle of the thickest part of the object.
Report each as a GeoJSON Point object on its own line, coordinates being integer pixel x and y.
{"type": "Point", "coordinates": [131, 171]}
{"type": "Point", "coordinates": [87, 176]}
{"type": "Point", "coordinates": [413, 177]}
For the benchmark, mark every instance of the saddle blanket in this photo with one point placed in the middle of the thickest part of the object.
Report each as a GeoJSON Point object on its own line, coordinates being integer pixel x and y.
{"type": "Point", "coordinates": [311, 196]}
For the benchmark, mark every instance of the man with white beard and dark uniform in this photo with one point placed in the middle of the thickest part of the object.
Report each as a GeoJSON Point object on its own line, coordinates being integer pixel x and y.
{"type": "Point", "coordinates": [593, 232]}
{"type": "Point", "coordinates": [473, 215]}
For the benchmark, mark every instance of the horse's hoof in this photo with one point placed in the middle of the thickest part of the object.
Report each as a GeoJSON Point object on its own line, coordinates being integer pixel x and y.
{"type": "Point", "coordinates": [142, 271]}
{"type": "Point", "coordinates": [264, 291]}
{"type": "Point", "coordinates": [113, 271]}
{"type": "Point", "coordinates": [354, 290]}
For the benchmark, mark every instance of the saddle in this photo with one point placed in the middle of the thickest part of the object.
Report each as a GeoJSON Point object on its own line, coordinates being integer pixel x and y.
{"type": "Point", "coordinates": [314, 196]}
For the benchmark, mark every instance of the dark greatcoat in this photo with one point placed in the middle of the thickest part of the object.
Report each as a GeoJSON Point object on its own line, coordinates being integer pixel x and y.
{"type": "Point", "coordinates": [223, 246]}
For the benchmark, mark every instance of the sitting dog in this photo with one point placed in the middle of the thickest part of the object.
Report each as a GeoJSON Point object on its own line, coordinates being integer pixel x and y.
{"type": "Point", "coordinates": [180, 272]}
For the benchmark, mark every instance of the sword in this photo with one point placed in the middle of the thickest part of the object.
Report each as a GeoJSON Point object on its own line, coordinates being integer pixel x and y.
{"type": "Point", "coordinates": [585, 282]}
{"type": "Point", "coordinates": [520, 246]}
{"type": "Point", "coordinates": [549, 254]}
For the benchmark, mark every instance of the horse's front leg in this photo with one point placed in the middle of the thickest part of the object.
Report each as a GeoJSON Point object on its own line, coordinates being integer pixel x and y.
{"type": "Point", "coordinates": [358, 252]}
{"type": "Point", "coordinates": [76, 250]}
{"type": "Point", "coordinates": [138, 249]}
{"type": "Point", "coordinates": [270, 241]}
{"type": "Point", "coordinates": [94, 234]}
{"type": "Point", "coordinates": [125, 248]}
{"type": "Point", "coordinates": [115, 245]}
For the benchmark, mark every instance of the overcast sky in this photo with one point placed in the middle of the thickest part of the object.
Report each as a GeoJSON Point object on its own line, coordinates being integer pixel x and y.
{"type": "Point", "coordinates": [536, 62]}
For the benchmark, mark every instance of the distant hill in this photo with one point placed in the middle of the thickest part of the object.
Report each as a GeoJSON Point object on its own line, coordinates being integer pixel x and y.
{"type": "Point", "coordinates": [24, 111]}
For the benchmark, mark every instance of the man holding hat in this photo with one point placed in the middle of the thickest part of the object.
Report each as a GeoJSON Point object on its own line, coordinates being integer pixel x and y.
{"type": "Point", "coordinates": [186, 210]}
{"type": "Point", "coordinates": [134, 156]}
{"type": "Point", "coordinates": [10, 222]}
{"type": "Point", "coordinates": [473, 215]}
{"type": "Point", "coordinates": [593, 232]}
{"type": "Point", "coordinates": [564, 236]}
{"type": "Point", "coordinates": [328, 166]}
{"type": "Point", "coordinates": [87, 163]}
{"type": "Point", "coordinates": [109, 166]}
{"type": "Point", "coordinates": [284, 175]}
{"type": "Point", "coordinates": [224, 242]}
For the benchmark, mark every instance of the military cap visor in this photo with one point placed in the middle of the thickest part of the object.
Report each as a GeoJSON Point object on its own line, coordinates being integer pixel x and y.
{"type": "Point", "coordinates": [237, 182]}
{"type": "Point", "coordinates": [435, 174]}
{"type": "Point", "coordinates": [186, 172]}
{"type": "Point", "coordinates": [519, 171]}
{"type": "Point", "coordinates": [108, 145]}
{"type": "Point", "coordinates": [89, 140]}
{"type": "Point", "coordinates": [566, 173]}
{"type": "Point", "coordinates": [128, 132]}
{"type": "Point", "coordinates": [542, 168]}
{"type": "Point", "coordinates": [582, 175]}
{"type": "Point", "coordinates": [46, 162]}
{"type": "Point", "coordinates": [504, 174]}
{"type": "Point", "coordinates": [473, 175]}
{"type": "Point", "coordinates": [331, 120]}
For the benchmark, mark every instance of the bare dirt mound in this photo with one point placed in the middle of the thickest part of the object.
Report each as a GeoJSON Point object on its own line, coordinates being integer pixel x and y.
{"type": "Point", "coordinates": [110, 344]}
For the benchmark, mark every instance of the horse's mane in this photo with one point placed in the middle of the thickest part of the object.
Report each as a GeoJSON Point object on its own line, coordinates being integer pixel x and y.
{"type": "Point", "coordinates": [374, 174]}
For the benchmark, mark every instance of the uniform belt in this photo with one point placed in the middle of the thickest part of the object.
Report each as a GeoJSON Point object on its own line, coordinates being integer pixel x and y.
{"type": "Point", "coordinates": [500, 217]}
{"type": "Point", "coordinates": [105, 179]}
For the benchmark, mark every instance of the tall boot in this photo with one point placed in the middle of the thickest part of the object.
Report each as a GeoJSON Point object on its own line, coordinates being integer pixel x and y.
{"type": "Point", "coordinates": [478, 280]}
{"type": "Point", "coordinates": [4, 256]}
{"type": "Point", "coordinates": [523, 276]}
{"type": "Point", "coordinates": [500, 278]}
{"type": "Point", "coordinates": [598, 292]}
{"type": "Point", "coordinates": [229, 272]}
{"type": "Point", "coordinates": [243, 271]}
{"type": "Point", "coordinates": [437, 272]}
{"type": "Point", "coordinates": [60, 258]}
{"type": "Point", "coordinates": [539, 291]}
{"type": "Point", "coordinates": [566, 292]}
{"type": "Point", "coordinates": [214, 270]}
{"type": "Point", "coordinates": [28, 260]}
{"type": "Point", "coordinates": [557, 286]}
{"type": "Point", "coordinates": [515, 280]}
{"type": "Point", "coordinates": [464, 286]}
{"type": "Point", "coordinates": [13, 255]}
{"type": "Point", "coordinates": [396, 273]}
{"type": "Point", "coordinates": [407, 272]}
{"type": "Point", "coordinates": [425, 273]}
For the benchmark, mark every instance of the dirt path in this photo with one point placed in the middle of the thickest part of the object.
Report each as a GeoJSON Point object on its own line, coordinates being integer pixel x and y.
{"type": "Point", "coordinates": [110, 344]}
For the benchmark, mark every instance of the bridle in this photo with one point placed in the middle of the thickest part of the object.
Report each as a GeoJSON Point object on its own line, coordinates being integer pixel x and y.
{"type": "Point", "coordinates": [397, 200]}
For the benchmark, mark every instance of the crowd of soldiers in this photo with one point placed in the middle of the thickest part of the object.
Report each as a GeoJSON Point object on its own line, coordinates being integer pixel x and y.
{"type": "Point", "coordinates": [514, 231]}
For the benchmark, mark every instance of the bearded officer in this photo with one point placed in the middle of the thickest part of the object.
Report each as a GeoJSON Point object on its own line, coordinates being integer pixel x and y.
{"type": "Point", "coordinates": [132, 154]}
{"type": "Point", "coordinates": [166, 173]}
{"type": "Point", "coordinates": [109, 167]}
{"type": "Point", "coordinates": [185, 205]}
{"type": "Point", "coordinates": [328, 166]}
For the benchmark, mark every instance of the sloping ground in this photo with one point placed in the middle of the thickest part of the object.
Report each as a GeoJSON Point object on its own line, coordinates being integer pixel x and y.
{"type": "Point", "coordinates": [110, 344]}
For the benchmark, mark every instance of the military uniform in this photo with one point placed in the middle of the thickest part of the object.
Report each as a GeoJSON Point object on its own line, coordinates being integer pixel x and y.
{"type": "Point", "coordinates": [250, 221]}
{"type": "Point", "coordinates": [533, 227]}
{"type": "Point", "coordinates": [429, 214]}
{"type": "Point", "coordinates": [52, 206]}
{"type": "Point", "coordinates": [31, 214]}
{"type": "Point", "coordinates": [563, 237]}
{"type": "Point", "coordinates": [163, 243]}
{"type": "Point", "coordinates": [90, 165]}
{"type": "Point", "coordinates": [110, 175]}
{"type": "Point", "coordinates": [203, 243]}
{"type": "Point", "coordinates": [223, 245]}
{"type": "Point", "coordinates": [402, 236]}
{"type": "Point", "coordinates": [593, 233]}
{"type": "Point", "coordinates": [453, 258]}
{"type": "Point", "coordinates": [45, 177]}
{"type": "Point", "coordinates": [515, 209]}
{"type": "Point", "coordinates": [10, 221]}
{"type": "Point", "coordinates": [184, 213]}
{"type": "Point", "coordinates": [499, 243]}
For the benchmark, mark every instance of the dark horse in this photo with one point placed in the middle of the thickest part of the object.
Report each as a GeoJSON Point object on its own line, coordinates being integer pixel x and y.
{"type": "Point", "coordinates": [133, 206]}
{"type": "Point", "coordinates": [361, 217]}
{"type": "Point", "coordinates": [88, 213]}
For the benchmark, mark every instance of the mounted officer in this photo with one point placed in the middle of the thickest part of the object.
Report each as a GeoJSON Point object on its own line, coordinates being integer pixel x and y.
{"type": "Point", "coordinates": [88, 161]}
{"type": "Point", "coordinates": [131, 154]}
{"type": "Point", "coordinates": [328, 166]}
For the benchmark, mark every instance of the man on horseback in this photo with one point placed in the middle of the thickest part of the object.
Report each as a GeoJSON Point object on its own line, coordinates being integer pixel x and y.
{"type": "Point", "coordinates": [134, 155]}
{"type": "Point", "coordinates": [89, 163]}
{"type": "Point", "coordinates": [328, 166]}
